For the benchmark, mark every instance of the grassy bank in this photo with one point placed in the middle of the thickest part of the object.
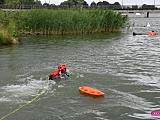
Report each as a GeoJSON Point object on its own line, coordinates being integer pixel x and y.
{"type": "Point", "coordinates": [7, 36]}
{"type": "Point", "coordinates": [59, 22]}
{"type": "Point", "coordinates": [7, 29]}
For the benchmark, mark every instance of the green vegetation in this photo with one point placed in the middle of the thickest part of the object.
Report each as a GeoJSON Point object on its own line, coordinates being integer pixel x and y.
{"type": "Point", "coordinates": [72, 21]}
{"type": "Point", "coordinates": [7, 29]}
{"type": "Point", "coordinates": [59, 22]}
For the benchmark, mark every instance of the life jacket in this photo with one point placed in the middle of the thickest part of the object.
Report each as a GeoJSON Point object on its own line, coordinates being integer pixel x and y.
{"type": "Point", "coordinates": [60, 72]}
{"type": "Point", "coordinates": [151, 33]}
{"type": "Point", "coordinates": [55, 74]}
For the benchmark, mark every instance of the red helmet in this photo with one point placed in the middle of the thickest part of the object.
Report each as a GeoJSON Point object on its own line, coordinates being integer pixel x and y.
{"type": "Point", "coordinates": [62, 66]}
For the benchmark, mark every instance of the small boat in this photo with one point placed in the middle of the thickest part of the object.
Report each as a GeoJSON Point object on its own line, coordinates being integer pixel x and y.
{"type": "Point", "coordinates": [91, 91]}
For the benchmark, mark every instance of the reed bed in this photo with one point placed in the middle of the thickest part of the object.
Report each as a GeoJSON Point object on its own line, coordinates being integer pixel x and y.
{"type": "Point", "coordinates": [59, 22]}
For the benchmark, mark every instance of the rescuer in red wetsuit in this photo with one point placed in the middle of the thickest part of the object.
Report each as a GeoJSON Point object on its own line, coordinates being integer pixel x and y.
{"type": "Point", "coordinates": [61, 72]}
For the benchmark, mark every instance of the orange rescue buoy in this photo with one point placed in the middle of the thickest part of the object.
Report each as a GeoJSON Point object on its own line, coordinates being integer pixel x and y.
{"type": "Point", "coordinates": [91, 91]}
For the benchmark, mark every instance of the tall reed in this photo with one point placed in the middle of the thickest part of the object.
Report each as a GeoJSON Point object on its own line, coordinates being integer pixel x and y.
{"type": "Point", "coordinates": [72, 21]}
{"type": "Point", "coordinates": [59, 22]}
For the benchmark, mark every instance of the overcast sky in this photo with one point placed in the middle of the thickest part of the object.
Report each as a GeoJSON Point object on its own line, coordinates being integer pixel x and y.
{"type": "Point", "coordinates": [125, 2]}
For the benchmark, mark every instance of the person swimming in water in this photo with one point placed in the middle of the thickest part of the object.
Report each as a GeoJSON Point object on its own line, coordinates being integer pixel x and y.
{"type": "Point", "coordinates": [61, 72]}
{"type": "Point", "coordinates": [150, 33]}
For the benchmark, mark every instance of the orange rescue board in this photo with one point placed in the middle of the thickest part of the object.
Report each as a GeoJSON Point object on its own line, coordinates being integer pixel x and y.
{"type": "Point", "coordinates": [90, 91]}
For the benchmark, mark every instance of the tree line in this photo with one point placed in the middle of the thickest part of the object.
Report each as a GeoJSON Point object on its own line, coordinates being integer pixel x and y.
{"type": "Point", "coordinates": [38, 2]}
{"type": "Point", "coordinates": [29, 4]}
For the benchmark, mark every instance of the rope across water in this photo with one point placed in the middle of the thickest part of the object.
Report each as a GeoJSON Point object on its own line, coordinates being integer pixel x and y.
{"type": "Point", "coordinates": [29, 102]}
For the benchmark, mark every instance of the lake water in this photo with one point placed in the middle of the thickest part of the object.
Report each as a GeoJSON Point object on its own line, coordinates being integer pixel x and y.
{"type": "Point", "coordinates": [125, 67]}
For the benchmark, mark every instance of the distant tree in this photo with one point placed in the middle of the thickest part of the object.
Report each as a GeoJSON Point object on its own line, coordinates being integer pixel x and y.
{"type": "Point", "coordinates": [2, 1]}
{"type": "Point", "coordinates": [117, 5]}
{"type": "Point", "coordinates": [22, 2]}
{"type": "Point", "coordinates": [38, 2]}
{"type": "Point", "coordinates": [148, 7]}
{"type": "Point", "coordinates": [67, 4]}
{"type": "Point", "coordinates": [135, 7]}
{"type": "Point", "coordinates": [85, 4]}
{"type": "Point", "coordinates": [93, 5]}
{"type": "Point", "coordinates": [103, 4]}
{"type": "Point", "coordinates": [78, 2]}
{"type": "Point", "coordinates": [99, 4]}
{"type": "Point", "coordinates": [106, 3]}
{"type": "Point", "coordinates": [74, 3]}
{"type": "Point", "coordinates": [46, 4]}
